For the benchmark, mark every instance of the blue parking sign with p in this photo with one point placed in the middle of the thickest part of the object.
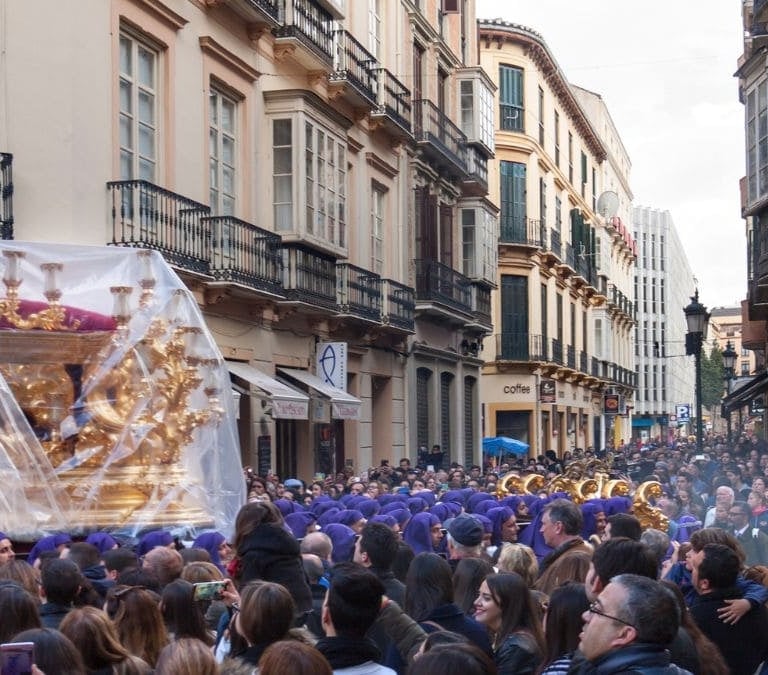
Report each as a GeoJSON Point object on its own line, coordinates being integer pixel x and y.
{"type": "Point", "coordinates": [683, 412]}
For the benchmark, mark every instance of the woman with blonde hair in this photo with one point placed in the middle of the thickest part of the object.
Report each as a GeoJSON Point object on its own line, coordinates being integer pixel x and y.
{"type": "Point", "coordinates": [95, 637]}
{"type": "Point", "coordinates": [521, 559]}
{"type": "Point", "coordinates": [186, 656]}
{"type": "Point", "coordinates": [140, 626]}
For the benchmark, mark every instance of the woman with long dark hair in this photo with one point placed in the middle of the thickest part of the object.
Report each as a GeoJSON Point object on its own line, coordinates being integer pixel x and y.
{"type": "Point", "coordinates": [562, 626]}
{"type": "Point", "coordinates": [507, 609]}
{"type": "Point", "coordinates": [265, 550]}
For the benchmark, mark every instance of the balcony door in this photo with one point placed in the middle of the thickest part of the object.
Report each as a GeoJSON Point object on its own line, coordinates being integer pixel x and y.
{"type": "Point", "coordinates": [513, 198]}
{"type": "Point", "coordinates": [514, 317]}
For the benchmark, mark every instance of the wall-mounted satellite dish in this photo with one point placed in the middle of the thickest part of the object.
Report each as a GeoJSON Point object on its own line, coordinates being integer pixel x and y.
{"type": "Point", "coordinates": [608, 204]}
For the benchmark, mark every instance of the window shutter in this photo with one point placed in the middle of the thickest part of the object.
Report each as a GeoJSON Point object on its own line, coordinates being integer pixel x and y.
{"type": "Point", "coordinates": [451, 7]}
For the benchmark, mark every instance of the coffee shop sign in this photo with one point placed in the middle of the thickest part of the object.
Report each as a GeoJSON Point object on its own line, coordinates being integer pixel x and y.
{"type": "Point", "coordinates": [517, 388]}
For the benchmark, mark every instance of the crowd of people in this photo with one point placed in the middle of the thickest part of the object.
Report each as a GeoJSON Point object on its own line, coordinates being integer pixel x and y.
{"type": "Point", "coordinates": [420, 570]}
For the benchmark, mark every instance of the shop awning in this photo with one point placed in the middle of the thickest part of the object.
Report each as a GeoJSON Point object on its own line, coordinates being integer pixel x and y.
{"type": "Point", "coordinates": [743, 396]}
{"type": "Point", "coordinates": [344, 406]}
{"type": "Point", "coordinates": [642, 422]}
{"type": "Point", "coordinates": [287, 403]}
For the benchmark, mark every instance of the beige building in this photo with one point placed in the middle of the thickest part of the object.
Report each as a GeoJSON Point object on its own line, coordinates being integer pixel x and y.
{"type": "Point", "coordinates": [316, 173]}
{"type": "Point", "coordinates": [558, 370]}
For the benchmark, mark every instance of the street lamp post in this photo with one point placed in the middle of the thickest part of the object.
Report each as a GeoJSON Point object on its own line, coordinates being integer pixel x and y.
{"type": "Point", "coordinates": [729, 370]}
{"type": "Point", "coordinates": [697, 317]}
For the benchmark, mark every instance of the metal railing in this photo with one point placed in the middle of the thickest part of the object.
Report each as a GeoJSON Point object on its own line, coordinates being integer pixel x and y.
{"type": "Point", "coordinates": [354, 64]}
{"type": "Point", "coordinates": [393, 98]}
{"type": "Point", "coordinates": [245, 254]}
{"type": "Point", "coordinates": [520, 230]}
{"type": "Point", "coordinates": [570, 357]}
{"type": "Point", "coordinates": [271, 7]}
{"type": "Point", "coordinates": [399, 304]}
{"type": "Point", "coordinates": [309, 276]}
{"type": "Point", "coordinates": [359, 291]}
{"type": "Point", "coordinates": [438, 282]}
{"type": "Point", "coordinates": [148, 216]}
{"type": "Point", "coordinates": [308, 21]}
{"type": "Point", "coordinates": [433, 126]}
{"type": "Point", "coordinates": [555, 242]}
{"type": "Point", "coordinates": [6, 195]}
{"type": "Point", "coordinates": [520, 347]}
{"type": "Point", "coordinates": [511, 118]}
{"type": "Point", "coordinates": [557, 352]}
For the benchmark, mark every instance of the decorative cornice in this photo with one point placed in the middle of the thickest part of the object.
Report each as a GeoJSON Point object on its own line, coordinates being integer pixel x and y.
{"type": "Point", "coordinates": [380, 165]}
{"type": "Point", "coordinates": [209, 46]}
{"type": "Point", "coordinates": [164, 13]}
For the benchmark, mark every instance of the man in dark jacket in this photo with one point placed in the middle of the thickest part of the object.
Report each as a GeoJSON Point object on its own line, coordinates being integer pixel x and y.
{"type": "Point", "coordinates": [60, 583]}
{"type": "Point", "coordinates": [744, 645]}
{"type": "Point", "coordinates": [627, 628]}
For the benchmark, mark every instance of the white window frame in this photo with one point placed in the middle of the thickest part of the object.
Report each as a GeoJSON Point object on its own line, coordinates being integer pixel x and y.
{"type": "Point", "coordinates": [378, 215]}
{"type": "Point", "coordinates": [374, 28]}
{"type": "Point", "coordinates": [318, 181]}
{"type": "Point", "coordinates": [222, 163]}
{"type": "Point", "coordinates": [137, 96]}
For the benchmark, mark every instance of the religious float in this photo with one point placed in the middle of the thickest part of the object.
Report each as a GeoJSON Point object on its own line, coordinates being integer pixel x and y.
{"type": "Point", "coordinates": [115, 406]}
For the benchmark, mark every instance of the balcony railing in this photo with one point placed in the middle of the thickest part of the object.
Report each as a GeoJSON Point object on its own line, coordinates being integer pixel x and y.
{"type": "Point", "coordinates": [359, 291]}
{"type": "Point", "coordinates": [571, 357]}
{"type": "Point", "coordinates": [310, 23]}
{"type": "Point", "coordinates": [270, 7]}
{"type": "Point", "coordinates": [570, 257]}
{"type": "Point", "coordinates": [557, 352]}
{"type": "Point", "coordinates": [148, 216]}
{"type": "Point", "coordinates": [555, 242]}
{"type": "Point", "coordinates": [435, 129]}
{"type": "Point", "coordinates": [521, 230]}
{"type": "Point", "coordinates": [511, 118]}
{"type": "Point", "coordinates": [355, 64]}
{"type": "Point", "coordinates": [520, 347]}
{"type": "Point", "coordinates": [583, 362]}
{"type": "Point", "coordinates": [309, 276]}
{"type": "Point", "coordinates": [399, 305]}
{"type": "Point", "coordinates": [440, 283]}
{"type": "Point", "coordinates": [245, 254]}
{"type": "Point", "coordinates": [393, 98]}
{"type": "Point", "coordinates": [6, 195]}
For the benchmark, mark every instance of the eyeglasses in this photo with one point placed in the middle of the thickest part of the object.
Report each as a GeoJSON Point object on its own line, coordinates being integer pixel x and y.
{"type": "Point", "coordinates": [594, 608]}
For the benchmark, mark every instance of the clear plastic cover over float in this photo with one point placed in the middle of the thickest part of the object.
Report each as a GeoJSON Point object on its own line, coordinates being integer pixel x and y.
{"type": "Point", "coordinates": [116, 411]}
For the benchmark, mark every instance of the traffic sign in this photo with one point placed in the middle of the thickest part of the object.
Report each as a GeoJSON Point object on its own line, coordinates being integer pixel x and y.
{"type": "Point", "coordinates": [683, 412]}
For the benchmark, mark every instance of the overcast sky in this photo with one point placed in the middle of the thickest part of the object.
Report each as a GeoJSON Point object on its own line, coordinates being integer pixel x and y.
{"type": "Point", "coordinates": [665, 71]}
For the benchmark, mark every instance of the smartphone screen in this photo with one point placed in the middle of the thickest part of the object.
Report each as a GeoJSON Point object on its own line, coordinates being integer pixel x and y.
{"type": "Point", "coordinates": [17, 658]}
{"type": "Point", "coordinates": [209, 590]}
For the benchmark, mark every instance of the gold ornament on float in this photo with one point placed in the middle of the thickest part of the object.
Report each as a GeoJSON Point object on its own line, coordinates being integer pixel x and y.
{"type": "Point", "coordinates": [125, 406]}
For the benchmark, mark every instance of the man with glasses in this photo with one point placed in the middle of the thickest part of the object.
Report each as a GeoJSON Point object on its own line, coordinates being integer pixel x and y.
{"type": "Point", "coordinates": [753, 540]}
{"type": "Point", "coordinates": [628, 628]}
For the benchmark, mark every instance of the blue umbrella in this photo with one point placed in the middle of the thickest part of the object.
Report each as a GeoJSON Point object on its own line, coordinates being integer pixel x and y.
{"type": "Point", "coordinates": [497, 445]}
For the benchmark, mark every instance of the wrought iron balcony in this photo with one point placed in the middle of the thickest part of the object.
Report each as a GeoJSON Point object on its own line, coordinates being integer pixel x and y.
{"type": "Point", "coordinates": [245, 254]}
{"type": "Point", "coordinates": [520, 347]}
{"type": "Point", "coordinates": [6, 195]}
{"type": "Point", "coordinates": [594, 367]}
{"type": "Point", "coordinates": [148, 216]}
{"type": "Point", "coordinates": [354, 66]}
{"type": "Point", "coordinates": [570, 257]}
{"type": "Point", "coordinates": [557, 352]}
{"type": "Point", "coordinates": [313, 27]}
{"type": "Point", "coordinates": [583, 362]}
{"type": "Point", "coordinates": [399, 305]}
{"type": "Point", "coordinates": [394, 103]}
{"type": "Point", "coordinates": [436, 282]}
{"type": "Point", "coordinates": [440, 138]}
{"type": "Point", "coordinates": [521, 230]}
{"type": "Point", "coordinates": [571, 357]}
{"type": "Point", "coordinates": [309, 277]}
{"type": "Point", "coordinates": [555, 242]}
{"type": "Point", "coordinates": [359, 291]}
{"type": "Point", "coordinates": [253, 11]}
